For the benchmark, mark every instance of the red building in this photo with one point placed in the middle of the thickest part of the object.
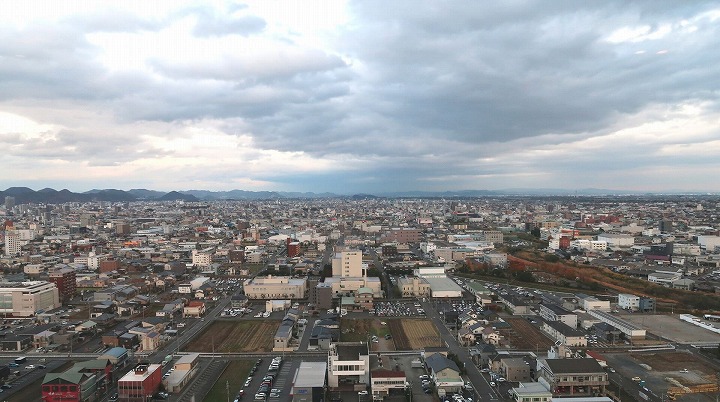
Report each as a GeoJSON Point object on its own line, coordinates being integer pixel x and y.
{"type": "Point", "coordinates": [64, 279]}
{"type": "Point", "coordinates": [140, 383]}
{"type": "Point", "coordinates": [109, 265]}
{"type": "Point", "coordinates": [293, 249]}
{"type": "Point", "coordinates": [69, 386]}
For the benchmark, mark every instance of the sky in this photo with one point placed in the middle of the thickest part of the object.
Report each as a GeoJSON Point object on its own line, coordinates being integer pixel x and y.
{"type": "Point", "coordinates": [360, 96]}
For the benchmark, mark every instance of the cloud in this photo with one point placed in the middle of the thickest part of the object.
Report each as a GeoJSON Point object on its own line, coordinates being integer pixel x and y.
{"type": "Point", "coordinates": [365, 94]}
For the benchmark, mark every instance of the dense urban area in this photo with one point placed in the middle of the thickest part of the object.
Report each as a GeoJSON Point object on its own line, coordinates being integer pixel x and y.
{"type": "Point", "coordinates": [358, 299]}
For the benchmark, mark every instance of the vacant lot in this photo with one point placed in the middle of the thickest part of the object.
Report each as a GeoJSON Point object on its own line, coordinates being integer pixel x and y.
{"type": "Point", "coordinates": [234, 337]}
{"type": "Point", "coordinates": [525, 336]}
{"type": "Point", "coordinates": [668, 365]}
{"type": "Point", "coordinates": [232, 378]}
{"type": "Point", "coordinates": [361, 329]}
{"type": "Point", "coordinates": [412, 334]}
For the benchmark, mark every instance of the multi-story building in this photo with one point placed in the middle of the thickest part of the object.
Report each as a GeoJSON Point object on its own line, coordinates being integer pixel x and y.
{"type": "Point", "coordinates": [348, 264]}
{"type": "Point", "coordinates": [414, 287]}
{"type": "Point", "coordinates": [64, 279]}
{"type": "Point", "coordinates": [275, 287]}
{"type": "Point", "coordinates": [628, 301]}
{"type": "Point", "coordinates": [552, 312]}
{"type": "Point", "coordinates": [9, 202]}
{"type": "Point", "coordinates": [348, 363]}
{"type": "Point", "coordinates": [24, 299]}
{"type": "Point", "coordinates": [13, 245]}
{"type": "Point", "coordinates": [201, 258]}
{"type": "Point", "coordinates": [570, 377]}
{"type": "Point", "coordinates": [70, 386]}
{"type": "Point", "coordinates": [383, 381]}
{"type": "Point", "coordinates": [140, 383]}
{"type": "Point", "coordinates": [530, 392]}
{"type": "Point", "coordinates": [403, 235]}
{"type": "Point", "coordinates": [565, 334]}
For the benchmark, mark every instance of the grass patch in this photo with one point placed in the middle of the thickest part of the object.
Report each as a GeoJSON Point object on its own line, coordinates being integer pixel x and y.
{"type": "Point", "coordinates": [359, 330]}
{"type": "Point", "coordinates": [233, 377]}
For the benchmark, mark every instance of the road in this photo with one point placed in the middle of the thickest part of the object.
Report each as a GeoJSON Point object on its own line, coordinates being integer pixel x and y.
{"type": "Point", "coordinates": [483, 390]}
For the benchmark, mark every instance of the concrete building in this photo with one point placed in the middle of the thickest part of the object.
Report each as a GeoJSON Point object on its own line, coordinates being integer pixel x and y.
{"type": "Point", "coordinates": [24, 299]}
{"type": "Point", "coordinates": [348, 264]}
{"type": "Point", "coordinates": [13, 245]}
{"type": "Point", "coordinates": [403, 235]}
{"type": "Point", "coordinates": [515, 369]}
{"type": "Point", "coordinates": [592, 303]}
{"type": "Point", "coordinates": [628, 301]}
{"type": "Point", "coordinates": [552, 312]}
{"type": "Point", "coordinates": [309, 382]}
{"type": "Point", "coordinates": [275, 287]}
{"type": "Point", "coordinates": [414, 287]}
{"type": "Point", "coordinates": [383, 382]}
{"type": "Point", "coordinates": [65, 281]}
{"type": "Point", "coordinates": [348, 363]}
{"type": "Point", "coordinates": [140, 383]}
{"type": "Point", "coordinates": [440, 285]}
{"type": "Point", "coordinates": [615, 241]}
{"type": "Point", "coordinates": [565, 334]}
{"type": "Point", "coordinates": [530, 392]}
{"type": "Point", "coordinates": [572, 377]}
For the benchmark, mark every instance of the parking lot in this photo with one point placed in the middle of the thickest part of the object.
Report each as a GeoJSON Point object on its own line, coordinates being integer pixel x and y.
{"type": "Point", "coordinates": [399, 309]}
{"type": "Point", "coordinates": [670, 327]}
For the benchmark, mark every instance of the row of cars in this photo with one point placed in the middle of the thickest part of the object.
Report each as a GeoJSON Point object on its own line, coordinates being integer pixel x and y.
{"type": "Point", "coordinates": [397, 309]}
{"type": "Point", "coordinates": [265, 390]}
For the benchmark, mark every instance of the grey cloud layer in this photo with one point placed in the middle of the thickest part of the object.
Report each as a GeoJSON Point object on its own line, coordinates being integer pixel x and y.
{"type": "Point", "coordinates": [426, 83]}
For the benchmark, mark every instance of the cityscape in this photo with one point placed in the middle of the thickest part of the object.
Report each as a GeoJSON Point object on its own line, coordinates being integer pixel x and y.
{"type": "Point", "coordinates": [511, 298]}
{"type": "Point", "coordinates": [359, 201]}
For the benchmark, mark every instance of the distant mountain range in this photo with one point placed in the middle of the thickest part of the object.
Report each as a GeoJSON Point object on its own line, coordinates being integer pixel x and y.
{"type": "Point", "coordinates": [24, 195]}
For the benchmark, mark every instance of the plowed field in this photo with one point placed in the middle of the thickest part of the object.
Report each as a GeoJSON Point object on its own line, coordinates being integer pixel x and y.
{"type": "Point", "coordinates": [414, 334]}
{"type": "Point", "coordinates": [233, 337]}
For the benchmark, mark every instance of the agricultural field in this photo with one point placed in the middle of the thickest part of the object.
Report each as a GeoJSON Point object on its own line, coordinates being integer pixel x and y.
{"type": "Point", "coordinates": [232, 378]}
{"type": "Point", "coordinates": [524, 336]}
{"type": "Point", "coordinates": [235, 337]}
{"type": "Point", "coordinates": [414, 334]}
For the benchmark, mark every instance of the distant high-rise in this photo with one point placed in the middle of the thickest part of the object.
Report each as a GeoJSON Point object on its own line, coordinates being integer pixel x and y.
{"type": "Point", "coordinates": [12, 242]}
{"type": "Point", "coordinates": [9, 202]}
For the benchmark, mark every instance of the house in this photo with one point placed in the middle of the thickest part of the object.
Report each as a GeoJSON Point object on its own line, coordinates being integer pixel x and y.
{"type": "Point", "coordinates": [195, 308]}
{"type": "Point", "coordinates": [466, 337]}
{"type": "Point", "coordinates": [444, 373]}
{"type": "Point", "coordinates": [490, 336]}
{"type": "Point", "coordinates": [572, 377]}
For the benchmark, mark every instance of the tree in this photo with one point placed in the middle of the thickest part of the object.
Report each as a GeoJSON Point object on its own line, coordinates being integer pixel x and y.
{"type": "Point", "coordinates": [535, 232]}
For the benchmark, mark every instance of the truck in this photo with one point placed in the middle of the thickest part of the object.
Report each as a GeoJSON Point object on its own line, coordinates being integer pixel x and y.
{"type": "Point", "coordinates": [167, 360]}
{"type": "Point", "coordinates": [20, 360]}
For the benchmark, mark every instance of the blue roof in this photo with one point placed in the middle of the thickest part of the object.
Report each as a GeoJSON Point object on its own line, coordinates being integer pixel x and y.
{"type": "Point", "coordinates": [116, 351]}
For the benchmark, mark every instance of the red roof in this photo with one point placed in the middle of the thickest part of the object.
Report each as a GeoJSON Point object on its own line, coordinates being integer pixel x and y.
{"type": "Point", "coordinates": [387, 373]}
{"type": "Point", "coordinates": [196, 303]}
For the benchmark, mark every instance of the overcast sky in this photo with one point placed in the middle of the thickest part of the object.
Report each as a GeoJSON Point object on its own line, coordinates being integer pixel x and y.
{"type": "Point", "coordinates": [364, 96]}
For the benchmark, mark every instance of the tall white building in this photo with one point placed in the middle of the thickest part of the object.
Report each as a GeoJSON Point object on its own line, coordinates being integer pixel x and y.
{"type": "Point", "coordinates": [348, 264]}
{"type": "Point", "coordinates": [12, 242]}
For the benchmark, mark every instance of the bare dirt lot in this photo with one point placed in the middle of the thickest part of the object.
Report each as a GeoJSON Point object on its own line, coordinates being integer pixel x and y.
{"type": "Point", "coordinates": [414, 334]}
{"type": "Point", "coordinates": [670, 364]}
{"type": "Point", "coordinates": [670, 327]}
{"type": "Point", "coordinates": [233, 337]}
{"type": "Point", "coordinates": [525, 336]}
{"type": "Point", "coordinates": [362, 329]}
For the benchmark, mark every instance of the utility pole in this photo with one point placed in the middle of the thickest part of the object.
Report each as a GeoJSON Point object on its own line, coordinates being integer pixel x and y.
{"type": "Point", "coordinates": [227, 388]}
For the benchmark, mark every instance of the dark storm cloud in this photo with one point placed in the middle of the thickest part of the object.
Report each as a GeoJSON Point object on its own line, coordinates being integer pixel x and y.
{"type": "Point", "coordinates": [498, 73]}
